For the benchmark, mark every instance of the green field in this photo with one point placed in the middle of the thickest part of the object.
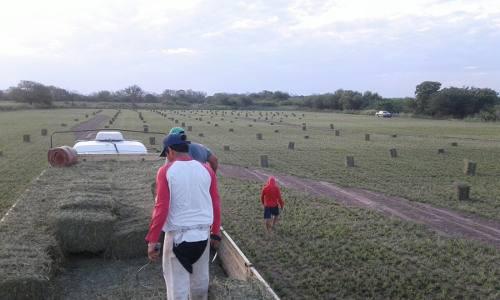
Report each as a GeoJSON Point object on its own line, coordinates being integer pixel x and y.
{"type": "Point", "coordinates": [321, 249]}
{"type": "Point", "coordinates": [21, 162]}
{"type": "Point", "coordinates": [419, 173]}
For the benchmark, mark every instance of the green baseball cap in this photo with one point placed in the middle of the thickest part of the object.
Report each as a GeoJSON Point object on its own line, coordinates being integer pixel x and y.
{"type": "Point", "coordinates": [177, 130]}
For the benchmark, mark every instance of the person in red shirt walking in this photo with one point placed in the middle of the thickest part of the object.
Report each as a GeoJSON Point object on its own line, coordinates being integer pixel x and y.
{"type": "Point", "coordinates": [271, 200]}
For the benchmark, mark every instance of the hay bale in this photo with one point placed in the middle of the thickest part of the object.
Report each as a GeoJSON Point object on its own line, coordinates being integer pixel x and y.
{"type": "Point", "coordinates": [349, 161]}
{"type": "Point", "coordinates": [367, 136]}
{"type": "Point", "coordinates": [25, 286]}
{"type": "Point", "coordinates": [152, 140]}
{"type": "Point", "coordinates": [440, 151]}
{"type": "Point", "coordinates": [264, 162]}
{"type": "Point", "coordinates": [88, 201]}
{"type": "Point", "coordinates": [469, 167]}
{"type": "Point", "coordinates": [43, 132]}
{"type": "Point", "coordinates": [276, 131]}
{"type": "Point", "coordinates": [80, 231]}
{"type": "Point", "coordinates": [128, 238]}
{"type": "Point", "coordinates": [259, 136]}
{"type": "Point", "coordinates": [394, 135]}
{"type": "Point", "coordinates": [226, 148]}
{"type": "Point", "coordinates": [291, 145]}
{"type": "Point", "coordinates": [393, 152]}
{"type": "Point", "coordinates": [462, 191]}
{"type": "Point", "coordinates": [26, 138]}
{"type": "Point", "coordinates": [337, 132]}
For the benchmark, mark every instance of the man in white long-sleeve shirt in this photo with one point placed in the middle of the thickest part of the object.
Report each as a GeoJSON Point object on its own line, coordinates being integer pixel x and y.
{"type": "Point", "coordinates": [187, 209]}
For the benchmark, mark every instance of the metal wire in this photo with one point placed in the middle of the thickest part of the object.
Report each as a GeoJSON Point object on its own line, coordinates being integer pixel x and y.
{"type": "Point", "coordinates": [137, 277]}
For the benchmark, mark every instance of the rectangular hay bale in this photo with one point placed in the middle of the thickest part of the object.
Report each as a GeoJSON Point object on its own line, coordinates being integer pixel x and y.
{"type": "Point", "coordinates": [80, 231]}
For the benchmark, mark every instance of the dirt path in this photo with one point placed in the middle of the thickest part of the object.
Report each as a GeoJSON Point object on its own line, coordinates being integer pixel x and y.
{"type": "Point", "coordinates": [442, 220]}
{"type": "Point", "coordinates": [90, 124]}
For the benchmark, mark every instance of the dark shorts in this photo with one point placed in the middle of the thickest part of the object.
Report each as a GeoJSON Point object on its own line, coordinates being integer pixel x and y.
{"type": "Point", "coordinates": [268, 211]}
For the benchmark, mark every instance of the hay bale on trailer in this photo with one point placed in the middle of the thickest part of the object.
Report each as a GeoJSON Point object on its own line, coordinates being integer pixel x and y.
{"type": "Point", "coordinates": [128, 237]}
{"type": "Point", "coordinates": [81, 230]}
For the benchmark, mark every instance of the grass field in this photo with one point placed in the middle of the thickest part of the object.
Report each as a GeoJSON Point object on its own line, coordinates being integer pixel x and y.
{"type": "Point", "coordinates": [419, 173]}
{"type": "Point", "coordinates": [322, 250]}
{"type": "Point", "coordinates": [21, 162]}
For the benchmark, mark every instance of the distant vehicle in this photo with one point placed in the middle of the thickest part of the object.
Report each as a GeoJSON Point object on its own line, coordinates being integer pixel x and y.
{"type": "Point", "coordinates": [110, 142]}
{"type": "Point", "coordinates": [383, 114]}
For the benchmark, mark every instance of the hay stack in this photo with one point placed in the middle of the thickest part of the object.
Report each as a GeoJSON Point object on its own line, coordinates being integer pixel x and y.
{"type": "Point", "coordinates": [469, 167]}
{"type": "Point", "coordinates": [80, 231]}
{"type": "Point", "coordinates": [264, 162]}
{"type": "Point", "coordinates": [463, 191]}
{"type": "Point", "coordinates": [349, 161]}
{"type": "Point", "coordinates": [127, 240]}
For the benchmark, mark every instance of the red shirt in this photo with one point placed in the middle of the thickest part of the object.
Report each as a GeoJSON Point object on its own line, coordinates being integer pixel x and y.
{"type": "Point", "coordinates": [271, 194]}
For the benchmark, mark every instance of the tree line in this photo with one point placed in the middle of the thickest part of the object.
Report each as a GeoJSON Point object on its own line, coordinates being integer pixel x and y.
{"type": "Point", "coordinates": [430, 99]}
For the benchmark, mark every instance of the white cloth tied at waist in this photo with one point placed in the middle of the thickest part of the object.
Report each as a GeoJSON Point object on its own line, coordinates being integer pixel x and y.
{"type": "Point", "coordinates": [190, 234]}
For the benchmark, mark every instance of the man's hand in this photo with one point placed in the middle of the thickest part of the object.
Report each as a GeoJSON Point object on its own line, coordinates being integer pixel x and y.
{"type": "Point", "coordinates": [215, 241]}
{"type": "Point", "coordinates": [153, 251]}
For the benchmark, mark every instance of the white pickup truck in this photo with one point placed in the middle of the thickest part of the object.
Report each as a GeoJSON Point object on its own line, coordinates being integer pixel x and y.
{"type": "Point", "coordinates": [383, 114]}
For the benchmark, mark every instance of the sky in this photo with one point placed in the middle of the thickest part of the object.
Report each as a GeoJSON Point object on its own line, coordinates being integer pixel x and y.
{"type": "Point", "coordinates": [297, 46]}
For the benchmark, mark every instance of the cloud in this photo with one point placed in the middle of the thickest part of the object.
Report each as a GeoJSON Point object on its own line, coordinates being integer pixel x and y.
{"type": "Point", "coordinates": [280, 38]}
{"type": "Point", "coordinates": [252, 24]}
{"type": "Point", "coordinates": [178, 51]}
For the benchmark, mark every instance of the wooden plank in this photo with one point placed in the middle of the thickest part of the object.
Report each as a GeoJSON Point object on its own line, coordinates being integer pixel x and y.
{"type": "Point", "coordinates": [237, 265]}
